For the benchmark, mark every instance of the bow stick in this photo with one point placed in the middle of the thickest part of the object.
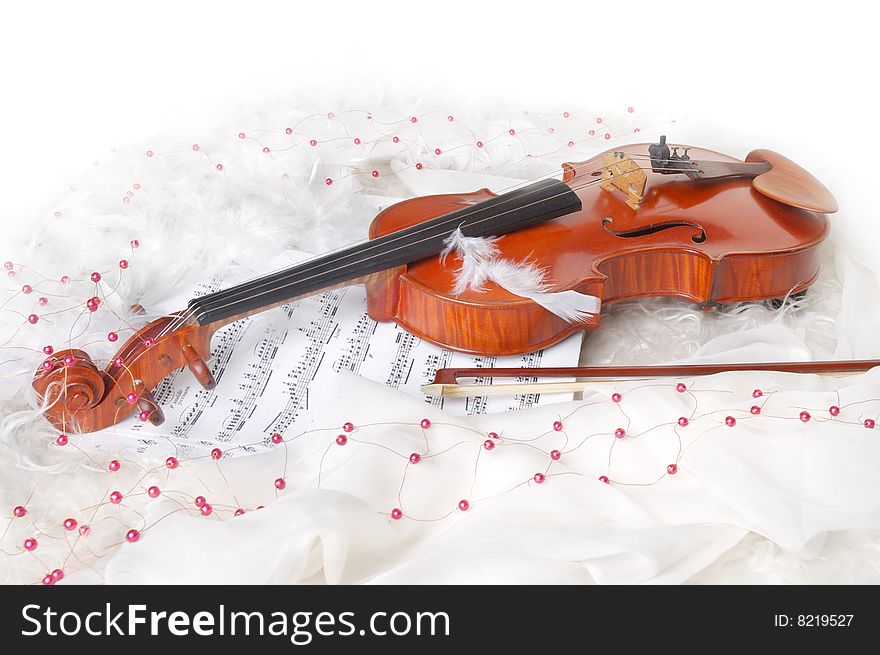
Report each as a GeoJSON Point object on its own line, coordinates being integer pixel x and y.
{"type": "Point", "coordinates": [446, 380]}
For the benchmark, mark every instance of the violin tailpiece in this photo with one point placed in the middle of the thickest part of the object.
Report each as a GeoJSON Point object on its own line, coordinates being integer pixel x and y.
{"type": "Point", "coordinates": [621, 173]}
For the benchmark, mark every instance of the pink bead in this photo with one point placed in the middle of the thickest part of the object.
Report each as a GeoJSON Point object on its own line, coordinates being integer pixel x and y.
{"type": "Point", "coordinates": [195, 147]}
{"type": "Point", "coordinates": [112, 336]}
{"type": "Point", "coordinates": [30, 544]}
{"type": "Point", "coordinates": [132, 535]}
{"type": "Point", "coordinates": [136, 186]}
{"type": "Point", "coordinates": [425, 423]}
{"type": "Point", "coordinates": [555, 454]}
{"type": "Point", "coordinates": [8, 266]}
{"type": "Point", "coordinates": [114, 465]}
{"type": "Point", "coordinates": [149, 153]}
{"type": "Point", "coordinates": [277, 438]}
{"type": "Point", "coordinates": [48, 350]}
{"type": "Point", "coordinates": [754, 409]}
{"type": "Point", "coordinates": [219, 167]}
{"type": "Point", "coordinates": [328, 181]}
{"type": "Point", "coordinates": [357, 141]}
{"type": "Point", "coordinates": [615, 397]}
{"type": "Point", "coordinates": [395, 139]}
{"type": "Point", "coordinates": [493, 435]}
{"type": "Point", "coordinates": [238, 512]}
{"type": "Point", "coordinates": [464, 505]}
{"type": "Point", "coordinates": [206, 509]}
{"type": "Point", "coordinates": [149, 342]}
{"type": "Point", "coordinates": [757, 393]}
{"type": "Point", "coordinates": [437, 151]}
{"type": "Point", "coordinates": [313, 142]}
{"type": "Point", "coordinates": [33, 318]}
{"type": "Point", "coordinates": [48, 365]}
{"type": "Point", "coordinates": [488, 444]}
{"type": "Point", "coordinates": [69, 360]}
{"type": "Point", "coordinates": [10, 273]}
{"type": "Point", "coordinates": [834, 410]}
{"type": "Point", "coordinates": [18, 511]}
{"type": "Point", "coordinates": [571, 144]}
{"type": "Point", "coordinates": [116, 497]}
{"type": "Point", "coordinates": [869, 423]}
{"type": "Point", "coordinates": [557, 425]}
{"type": "Point", "coordinates": [58, 575]}
{"type": "Point", "coordinates": [144, 416]}
{"type": "Point", "coordinates": [123, 263]}
{"type": "Point", "coordinates": [607, 136]}
{"type": "Point", "coordinates": [48, 580]}
{"type": "Point", "coordinates": [42, 301]}
{"type": "Point", "coordinates": [672, 469]}
{"type": "Point", "coordinates": [65, 279]}
{"type": "Point", "coordinates": [450, 118]}
{"type": "Point", "coordinates": [413, 119]}
{"type": "Point", "coordinates": [266, 150]}
{"type": "Point", "coordinates": [288, 131]}
{"type": "Point", "coordinates": [603, 478]}
{"type": "Point", "coordinates": [241, 135]}
{"type": "Point", "coordinates": [118, 362]}
{"type": "Point", "coordinates": [171, 463]}
{"type": "Point", "coordinates": [70, 524]}
{"type": "Point", "coordinates": [135, 243]}
{"type": "Point", "coordinates": [804, 417]}
{"type": "Point", "coordinates": [538, 478]}
{"type": "Point", "coordinates": [630, 109]}
{"type": "Point", "coordinates": [348, 427]}
{"type": "Point", "coordinates": [680, 387]}
{"type": "Point", "coordinates": [199, 501]}
{"type": "Point", "coordinates": [511, 132]}
{"type": "Point", "coordinates": [62, 440]}
{"type": "Point", "coordinates": [683, 421]}
{"type": "Point", "coordinates": [419, 166]}
{"type": "Point", "coordinates": [374, 173]}
{"type": "Point", "coordinates": [216, 454]}
{"type": "Point", "coordinates": [415, 458]}
{"type": "Point", "coordinates": [479, 144]}
{"type": "Point", "coordinates": [341, 440]}
{"type": "Point", "coordinates": [620, 433]}
{"type": "Point", "coordinates": [280, 483]}
{"type": "Point", "coordinates": [396, 514]}
{"type": "Point", "coordinates": [26, 289]}
{"type": "Point", "coordinates": [84, 530]}
{"type": "Point", "coordinates": [598, 120]}
{"type": "Point", "coordinates": [730, 421]}
{"type": "Point", "coordinates": [153, 492]}
{"type": "Point", "coordinates": [565, 114]}
{"type": "Point", "coordinates": [91, 305]}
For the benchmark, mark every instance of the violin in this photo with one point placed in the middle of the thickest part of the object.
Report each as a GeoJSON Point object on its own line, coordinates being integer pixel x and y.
{"type": "Point", "coordinates": [639, 220]}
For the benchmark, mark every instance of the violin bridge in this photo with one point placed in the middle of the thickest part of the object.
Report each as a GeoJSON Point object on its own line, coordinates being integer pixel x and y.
{"type": "Point", "coordinates": [621, 173]}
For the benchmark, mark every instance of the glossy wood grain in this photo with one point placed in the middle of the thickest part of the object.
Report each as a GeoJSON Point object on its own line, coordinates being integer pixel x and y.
{"type": "Point", "coordinates": [755, 248]}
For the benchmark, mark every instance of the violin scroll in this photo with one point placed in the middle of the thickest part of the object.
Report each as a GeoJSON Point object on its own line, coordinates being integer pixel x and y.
{"type": "Point", "coordinates": [79, 397]}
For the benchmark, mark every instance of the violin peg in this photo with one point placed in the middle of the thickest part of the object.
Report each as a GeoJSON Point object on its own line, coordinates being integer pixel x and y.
{"type": "Point", "coordinates": [147, 403]}
{"type": "Point", "coordinates": [199, 367]}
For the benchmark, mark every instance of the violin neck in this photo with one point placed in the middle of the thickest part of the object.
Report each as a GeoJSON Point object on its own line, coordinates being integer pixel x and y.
{"type": "Point", "coordinates": [515, 210]}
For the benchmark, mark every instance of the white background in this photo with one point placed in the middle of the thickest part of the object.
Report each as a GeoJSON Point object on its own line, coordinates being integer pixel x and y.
{"type": "Point", "coordinates": [80, 78]}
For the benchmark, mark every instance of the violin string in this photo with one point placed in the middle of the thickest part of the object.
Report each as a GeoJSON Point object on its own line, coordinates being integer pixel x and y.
{"type": "Point", "coordinates": [246, 292]}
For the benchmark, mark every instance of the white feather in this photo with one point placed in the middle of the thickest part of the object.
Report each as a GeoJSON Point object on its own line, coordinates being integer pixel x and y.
{"type": "Point", "coordinates": [480, 263]}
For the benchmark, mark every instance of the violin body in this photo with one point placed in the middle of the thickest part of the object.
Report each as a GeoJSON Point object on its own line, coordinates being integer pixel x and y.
{"type": "Point", "coordinates": [705, 241]}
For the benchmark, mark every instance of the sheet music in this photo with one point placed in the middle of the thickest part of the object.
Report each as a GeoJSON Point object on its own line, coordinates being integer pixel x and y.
{"type": "Point", "coordinates": [275, 369]}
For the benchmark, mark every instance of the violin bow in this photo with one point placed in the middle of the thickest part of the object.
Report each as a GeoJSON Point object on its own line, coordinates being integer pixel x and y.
{"type": "Point", "coordinates": [446, 380]}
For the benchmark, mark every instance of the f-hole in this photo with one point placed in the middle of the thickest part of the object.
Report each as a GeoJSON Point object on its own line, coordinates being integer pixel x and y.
{"type": "Point", "coordinates": [699, 237]}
